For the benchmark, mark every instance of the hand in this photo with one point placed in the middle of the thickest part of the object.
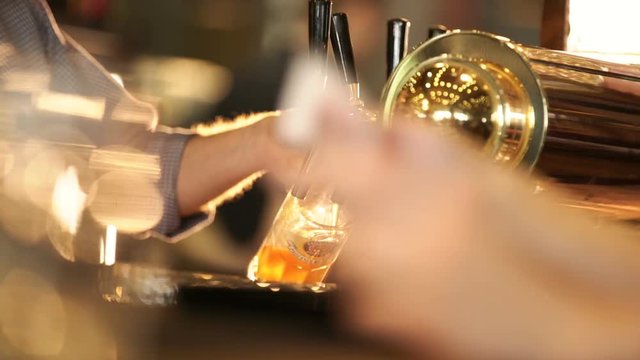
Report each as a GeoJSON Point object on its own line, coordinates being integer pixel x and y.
{"type": "Point", "coordinates": [276, 157]}
{"type": "Point", "coordinates": [452, 255]}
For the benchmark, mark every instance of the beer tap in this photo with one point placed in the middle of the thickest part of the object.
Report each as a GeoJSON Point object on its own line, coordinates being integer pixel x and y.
{"type": "Point", "coordinates": [319, 24]}
{"type": "Point", "coordinates": [397, 42]}
{"type": "Point", "coordinates": [319, 27]}
{"type": "Point", "coordinates": [343, 52]}
{"type": "Point", "coordinates": [437, 30]}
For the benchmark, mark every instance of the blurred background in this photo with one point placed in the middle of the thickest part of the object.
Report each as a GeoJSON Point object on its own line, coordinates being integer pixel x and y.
{"type": "Point", "coordinates": [196, 60]}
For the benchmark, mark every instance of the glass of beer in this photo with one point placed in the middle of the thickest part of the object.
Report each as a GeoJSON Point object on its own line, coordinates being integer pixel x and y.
{"type": "Point", "coordinates": [304, 241]}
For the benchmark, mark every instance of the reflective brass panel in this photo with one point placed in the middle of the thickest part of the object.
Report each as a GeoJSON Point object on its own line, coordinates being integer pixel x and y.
{"type": "Point", "coordinates": [479, 99]}
{"type": "Point", "coordinates": [453, 95]}
{"type": "Point", "coordinates": [574, 120]}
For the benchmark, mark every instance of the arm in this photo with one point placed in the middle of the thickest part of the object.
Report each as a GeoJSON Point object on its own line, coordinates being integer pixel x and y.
{"type": "Point", "coordinates": [193, 169]}
{"type": "Point", "coordinates": [226, 157]}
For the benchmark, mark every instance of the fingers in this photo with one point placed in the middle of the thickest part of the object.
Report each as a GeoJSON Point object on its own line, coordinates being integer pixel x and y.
{"type": "Point", "coordinates": [308, 92]}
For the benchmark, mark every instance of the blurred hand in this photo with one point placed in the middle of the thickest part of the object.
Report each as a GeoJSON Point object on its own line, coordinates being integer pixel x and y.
{"type": "Point", "coordinates": [277, 157]}
{"type": "Point", "coordinates": [451, 255]}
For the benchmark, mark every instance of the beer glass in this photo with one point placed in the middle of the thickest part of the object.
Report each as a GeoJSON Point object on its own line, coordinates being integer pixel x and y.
{"type": "Point", "coordinates": [304, 241]}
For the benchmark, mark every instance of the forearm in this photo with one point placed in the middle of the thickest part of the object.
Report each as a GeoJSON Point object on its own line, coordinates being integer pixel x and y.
{"type": "Point", "coordinates": [213, 164]}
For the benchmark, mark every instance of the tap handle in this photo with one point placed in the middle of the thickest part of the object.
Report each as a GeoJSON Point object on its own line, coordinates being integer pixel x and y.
{"type": "Point", "coordinates": [397, 42]}
{"type": "Point", "coordinates": [437, 30]}
{"type": "Point", "coordinates": [319, 22]}
{"type": "Point", "coordinates": [342, 49]}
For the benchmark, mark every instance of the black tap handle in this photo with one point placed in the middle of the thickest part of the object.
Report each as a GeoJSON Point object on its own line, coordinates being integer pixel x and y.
{"type": "Point", "coordinates": [397, 42]}
{"type": "Point", "coordinates": [342, 49]}
{"type": "Point", "coordinates": [437, 30]}
{"type": "Point", "coordinates": [319, 22]}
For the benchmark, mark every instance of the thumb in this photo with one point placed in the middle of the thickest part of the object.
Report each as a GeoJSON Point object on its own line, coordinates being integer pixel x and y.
{"type": "Point", "coordinates": [320, 105]}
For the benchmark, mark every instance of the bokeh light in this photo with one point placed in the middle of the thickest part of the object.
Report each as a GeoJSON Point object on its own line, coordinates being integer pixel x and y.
{"type": "Point", "coordinates": [22, 221]}
{"type": "Point", "coordinates": [32, 314]}
{"type": "Point", "coordinates": [89, 108]}
{"type": "Point", "coordinates": [41, 175]}
{"type": "Point", "coordinates": [68, 200]}
{"type": "Point", "coordinates": [128, 201]}
{"type": "Point", "coordinates": [6, 159]}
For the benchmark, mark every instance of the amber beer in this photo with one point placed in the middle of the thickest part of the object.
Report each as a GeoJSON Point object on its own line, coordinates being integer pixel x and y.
{"type": "Point", "coordinates": [304, 241]}
{"type": "Point", "coordinates": [279, 265]}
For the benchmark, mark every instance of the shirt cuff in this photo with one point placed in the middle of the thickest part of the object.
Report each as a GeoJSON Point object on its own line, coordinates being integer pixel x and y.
{"type": "Point", "coordinates": [172, 227]}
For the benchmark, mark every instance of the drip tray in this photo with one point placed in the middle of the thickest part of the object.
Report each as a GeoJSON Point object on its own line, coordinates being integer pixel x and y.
{"type": "Point", "coordinates": [140, 285]}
